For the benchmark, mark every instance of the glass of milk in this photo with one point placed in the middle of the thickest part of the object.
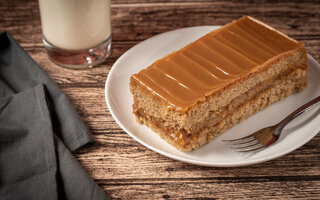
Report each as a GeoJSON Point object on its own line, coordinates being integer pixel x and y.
{"type": "Point", "coordinates": [76, 33]}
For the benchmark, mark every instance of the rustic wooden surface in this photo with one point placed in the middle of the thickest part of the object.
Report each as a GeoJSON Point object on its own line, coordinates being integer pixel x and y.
{"type": "Point", "coordinates": [127, 170]}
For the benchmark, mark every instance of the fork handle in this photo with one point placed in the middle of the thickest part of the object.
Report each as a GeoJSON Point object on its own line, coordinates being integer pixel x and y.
{"type": "Point", "coordinates": [305, 108]}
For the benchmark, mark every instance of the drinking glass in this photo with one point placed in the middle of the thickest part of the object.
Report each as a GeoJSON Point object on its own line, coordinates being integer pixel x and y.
{"type": "Point", "coordinates": [76, 33]}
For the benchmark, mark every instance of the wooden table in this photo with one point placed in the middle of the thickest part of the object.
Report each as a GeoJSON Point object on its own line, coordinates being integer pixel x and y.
{"type": "Point", "coordinates": [124, 168]}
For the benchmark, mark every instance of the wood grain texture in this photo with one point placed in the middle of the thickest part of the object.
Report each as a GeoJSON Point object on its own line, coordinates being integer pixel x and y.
{"type": "Point", "coordinates": [127, 170]}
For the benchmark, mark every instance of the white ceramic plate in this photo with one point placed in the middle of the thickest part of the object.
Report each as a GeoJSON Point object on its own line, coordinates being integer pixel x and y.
{"type": "Point", "coordinates": [216, 153]}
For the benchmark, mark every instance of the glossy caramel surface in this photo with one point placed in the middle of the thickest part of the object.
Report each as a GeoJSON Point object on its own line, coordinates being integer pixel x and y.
{"type": "Point", "coordinates": [187, 76]}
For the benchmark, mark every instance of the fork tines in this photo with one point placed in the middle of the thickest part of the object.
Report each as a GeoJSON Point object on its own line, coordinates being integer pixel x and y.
{"type": "Point", "coordinates": [246, 144]}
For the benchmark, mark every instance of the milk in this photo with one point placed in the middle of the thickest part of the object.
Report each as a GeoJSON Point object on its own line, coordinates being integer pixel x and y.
{"type": "Point", "coordinates": [75, 24]}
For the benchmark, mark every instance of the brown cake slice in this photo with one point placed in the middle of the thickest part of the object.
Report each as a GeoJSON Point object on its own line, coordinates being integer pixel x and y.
{"type": "Point", "coordinates": [191, 96]}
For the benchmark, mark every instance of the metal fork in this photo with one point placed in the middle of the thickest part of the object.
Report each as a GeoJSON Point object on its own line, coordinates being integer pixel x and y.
{"type": "Point", "coordinates": [269, 135]}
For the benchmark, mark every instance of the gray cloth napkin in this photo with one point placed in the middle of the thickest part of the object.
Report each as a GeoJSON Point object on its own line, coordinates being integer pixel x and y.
{"type": "Point", "coordinates": [38, 128]}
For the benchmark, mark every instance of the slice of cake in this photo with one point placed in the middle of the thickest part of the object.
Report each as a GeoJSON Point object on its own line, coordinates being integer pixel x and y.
{"type": "Point", "coordinates": [191, 96]}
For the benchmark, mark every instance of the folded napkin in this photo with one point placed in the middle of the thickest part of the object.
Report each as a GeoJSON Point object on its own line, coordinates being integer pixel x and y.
{"type": "Point", "coordinates": [38, 128]}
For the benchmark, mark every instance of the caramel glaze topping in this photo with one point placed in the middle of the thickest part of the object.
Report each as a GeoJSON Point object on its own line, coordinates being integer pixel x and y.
{"type": "Point", "coordinates": [187, 76]}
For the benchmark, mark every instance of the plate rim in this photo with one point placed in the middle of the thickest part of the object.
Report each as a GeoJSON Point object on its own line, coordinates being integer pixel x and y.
{"type": "Point", "coordinates": [184, 159]}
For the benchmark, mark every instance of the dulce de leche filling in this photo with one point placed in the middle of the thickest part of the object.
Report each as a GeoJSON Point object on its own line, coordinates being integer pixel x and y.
{"type": "Point", "coordinates": [185, 77]}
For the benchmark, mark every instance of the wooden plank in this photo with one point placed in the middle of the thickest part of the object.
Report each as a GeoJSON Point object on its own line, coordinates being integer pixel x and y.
{"type": "Point", "coordinates": [129, 2]}
{"type": "Point", "coordinates": [114, 155]}
{"type": "Point", "coordinates": [256, 188]}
